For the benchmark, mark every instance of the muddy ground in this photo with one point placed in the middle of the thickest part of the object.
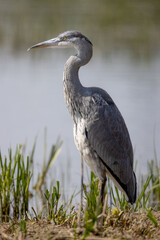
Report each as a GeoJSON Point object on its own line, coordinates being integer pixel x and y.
{"type": "Point", "coordinates": [128, 226]}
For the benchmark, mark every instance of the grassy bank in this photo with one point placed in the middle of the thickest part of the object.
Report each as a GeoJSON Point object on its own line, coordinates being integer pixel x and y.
{"type": "Point", "coordinates": [115, 219]}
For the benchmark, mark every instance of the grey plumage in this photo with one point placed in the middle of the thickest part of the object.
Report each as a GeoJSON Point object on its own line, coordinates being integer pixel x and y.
{"type": "Point", "coordinates": [100, 133]}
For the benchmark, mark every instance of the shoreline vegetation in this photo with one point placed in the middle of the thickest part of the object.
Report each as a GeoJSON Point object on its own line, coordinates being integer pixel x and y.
{"type": "Point", "coordinates": [58, 219]}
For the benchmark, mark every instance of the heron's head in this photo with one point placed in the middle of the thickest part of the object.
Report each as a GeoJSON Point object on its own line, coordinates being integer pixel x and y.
{"type": "Point", "coordinates": [66, 39]}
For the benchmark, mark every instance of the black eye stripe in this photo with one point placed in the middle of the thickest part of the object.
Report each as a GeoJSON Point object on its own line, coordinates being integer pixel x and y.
{"type": "Point", "coordinates": [72, 36]}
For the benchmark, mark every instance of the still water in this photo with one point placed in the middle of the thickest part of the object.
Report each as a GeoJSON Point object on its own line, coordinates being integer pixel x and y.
{"type": "Point", "coordinates": [32, 98]}
{"type": "Point", "coordinates": [126, 63]}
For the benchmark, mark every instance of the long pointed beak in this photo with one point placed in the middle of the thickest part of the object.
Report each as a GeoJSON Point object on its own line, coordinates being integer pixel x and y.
{"type": "Point", "coordinates": [49, 43]}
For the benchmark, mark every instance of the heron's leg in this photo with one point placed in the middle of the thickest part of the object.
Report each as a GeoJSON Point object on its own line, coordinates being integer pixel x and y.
{"type": "Point", "coordinates": [101, 186]}
{"type": "Point", "coordinates": [81, 198]}
{"type": "Point", "coordinates": [102, 202]}
{"type": "Point", "coordinates": [81, 183]}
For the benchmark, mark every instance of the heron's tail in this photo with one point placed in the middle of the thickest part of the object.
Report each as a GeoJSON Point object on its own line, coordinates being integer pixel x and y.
{"type": "Point", "coordinates": [131, 189]}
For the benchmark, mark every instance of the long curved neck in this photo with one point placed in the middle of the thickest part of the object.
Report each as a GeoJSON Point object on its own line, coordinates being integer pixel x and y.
{"type": "Point", "coordinates": [71, 80]}
{"type": "Point", "coordinates": [73, 89]}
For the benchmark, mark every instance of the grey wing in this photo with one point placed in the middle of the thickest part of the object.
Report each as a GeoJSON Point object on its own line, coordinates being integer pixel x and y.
{"type": "Point", "coordinates": [108, 136]}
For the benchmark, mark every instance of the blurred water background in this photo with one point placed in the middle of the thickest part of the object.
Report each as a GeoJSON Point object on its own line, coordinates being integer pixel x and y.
{"type": "Point", "coordinates": [126, 63]}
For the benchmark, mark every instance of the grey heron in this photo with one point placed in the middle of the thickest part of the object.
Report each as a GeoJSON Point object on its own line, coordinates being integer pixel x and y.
{"type": "Point", "coordinates": [100, 133]}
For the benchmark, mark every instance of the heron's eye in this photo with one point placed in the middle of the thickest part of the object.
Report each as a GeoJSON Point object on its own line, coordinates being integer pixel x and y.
{"type": "Point", "coordinates": [64, 38]}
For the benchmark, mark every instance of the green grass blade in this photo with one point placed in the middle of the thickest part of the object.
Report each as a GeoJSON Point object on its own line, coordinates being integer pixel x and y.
{"type": "Point", "coordinates": [152, 217]}
{"type": "Point", "coordinates": [142, 194]}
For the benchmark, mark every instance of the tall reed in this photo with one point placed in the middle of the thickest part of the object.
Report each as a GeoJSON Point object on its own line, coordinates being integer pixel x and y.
{"type": "Point", "coordinates": [15, 176]}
